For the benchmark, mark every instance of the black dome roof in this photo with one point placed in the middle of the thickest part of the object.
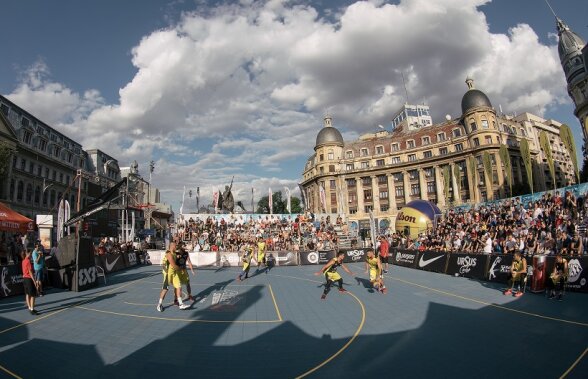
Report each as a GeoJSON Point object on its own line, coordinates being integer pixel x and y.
{"type": "Point", "coordinates": [474, 98]}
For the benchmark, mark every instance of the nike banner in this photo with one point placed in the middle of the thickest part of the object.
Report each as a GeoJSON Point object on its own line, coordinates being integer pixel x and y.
{"type": "Point", "coordinates": [113, 262]}
{"type": "Point", "coordinates": [434, 261]}
{"type": "Point", "coordinates": [499, 268]}
{"type": "Point", "coordinates": [468, 265]}
{"type": "Point", "coordinates": [308, 257]}
{"type": "Point", "coordinates": [354, 255]}
{"type": "Point", "coordinates": [405, 258]}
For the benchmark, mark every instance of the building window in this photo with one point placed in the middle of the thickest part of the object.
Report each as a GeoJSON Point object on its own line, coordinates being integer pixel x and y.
{"type": "Point", "coordinates": [4, 109]}
{"type": "Point", "coordinates": [426, 140]}
{"type": "Point", "coordinates": [349, 154]}
{"type": "Point", "coordinates": [367, 194]}
{"type": "Point", "coordinates": [45, 196]}
{"type": "Point", "coordinates": [368, 208]}
{"type": "Point", "coordinates": [31, 167]}
{"type": "Point", "coordinates": [383, 194]}
{"type": "Point", "coordinates": [349, 166]}
{"type": "Point", "coordinates": [333, 198]}
{"type": "Point", "coordinates": [456, 133]}
{"type": "Point", "coordinates": [364, 152]}
{"type": "Point", "coordinates": [331, 168]}
{"type": "Point", "coordinates": [415, 189]}
{"type": "Point", "coordinates": [352, 197]}
{"type": "Point", "coordinates": [428, 154]}
{"type": "Point", "coordinates": [40, 171]}
{"type": "Point", "coordinates": [321, 170]}
{"type": "Point", "coordinates": [412, 157]}
{"type": "Point", "coordinates": [399, 191]}
{"type": "Point", "coordinates": [410, 144]}
{"type": "Point", "coordinates": [413, 174]}
{"type": "Point", "coordinates": [332, 184]}
{"type": "Point", "coordinates": [330, 155]}
{"type": "Point", "coordinates": [366, 181]}
{"type": "Point", "coordinates": [23, 164]}
{"type": "Point", "coordinates": [458, 147]}
{"type": "Point", "coordinates": [485, 124]}
{"type": "Point", "coordinates": [382, 179]}
{"type": "Point", "coordinates": [380, 162]}
{"type": "Point", "coordinates": [429, 172]}
{"type": "Point", "coordinates": [352, 211]}
{"type": "Point", "coordinates": [431, 188]}
{"type": "Point", "coordinates": [56, 151]}
{"type": "Point", "coordinates": [398, 177]}
{"type": "Point", "coordinates": [365, 164]}
{"type": "Point", "coordinates": [395, 147]}
{"type": "Point", "coordinates": [351, 182]}
{"type": "Point", "coordinates": [29, 193]}
{"type": "Point", "coordinates": [473, 126]}
{"type": "Point", "coordinates": [395, 160]}
{"type": "Point", "coordinates": [476, 142]}
{"type": "Point", "coordinates": [19, 191]}
{"type": "Point", "coordinates": [61, 177]}
{"type": "Point", "coordinates": [440, 137]}
{"type": "Point", "coordinates": [24, 122]}
{"type": "Point", "coordinates": [321, 158]}
{"type": "Point", "coordinates": [488, 140]}
{"type": "Point", "coordinates": [384, 207]}
{"type": "Point", "coordinates": [27, 136]}
{"type": "Point", "coordinates": [379, 149]}
{"type": "Point", "coordinates": [443, 151]}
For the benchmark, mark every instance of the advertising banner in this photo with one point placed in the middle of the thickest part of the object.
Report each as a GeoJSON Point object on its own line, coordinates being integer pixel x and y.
{"type": "Point", "coordinates": [325, 256]}
{"type": "Point", "coordinates": [308, 257]}
{"type": "Point", "coordinates": [577, 274]}
{"type": "Point", "coordinates": [354, 255]}
{"type": "Point", "coordinates": [499, 269]}
{"type": "Point", "coordinates": [11, 281]}
{"type": "Point", "coordinates": [86, 275]}
{"type": "Point", "coordinates": [227, 259]}
{"type": "Point", "coordinates": [435, 261]}
{"type": "Point", "coordinates": [204, 259]}
{"type": "Point", "coordinates": [284, 258]}
{"type": "Point", "coordinates": [113, 262]}
{"type": "Point", "coordinates": [155, 256]}
{"type": "Point", "coordinates": [131, 259]}
{"type": "Point", "coordinates": [405, 258]}
{"type": "Point", "coordinates": [468, 265]}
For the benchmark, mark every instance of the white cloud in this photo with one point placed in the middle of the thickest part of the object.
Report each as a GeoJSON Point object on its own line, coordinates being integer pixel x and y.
{"type": "Point", "coordinates": [241, 89]}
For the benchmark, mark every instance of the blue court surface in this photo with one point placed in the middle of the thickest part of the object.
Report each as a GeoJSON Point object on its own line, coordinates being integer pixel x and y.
{"type": "Point", "coordinates": [274, 325]}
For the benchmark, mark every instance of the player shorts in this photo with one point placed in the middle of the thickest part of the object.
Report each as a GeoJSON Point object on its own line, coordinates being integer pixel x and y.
{"type": "Point", "coordinates": [373, 275]}
{"type": "Point", "coordinates": [333, 276]}
{"type": "Point", "coordinates": [165, 284]}
{"type": "Point", "coordinates": [177, 278]}
{"type": "Point", "coordinates": [383, 259]}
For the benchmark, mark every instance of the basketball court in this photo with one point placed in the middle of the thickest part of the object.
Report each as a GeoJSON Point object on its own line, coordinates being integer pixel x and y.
{"type": "Point", "coordinates": [274, 325]}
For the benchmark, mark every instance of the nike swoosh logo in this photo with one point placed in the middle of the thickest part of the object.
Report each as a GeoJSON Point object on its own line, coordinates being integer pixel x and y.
{"type": "Point", "coordinates": [109, 266]}
{"type": "Point", "coordinates": [423, 263]}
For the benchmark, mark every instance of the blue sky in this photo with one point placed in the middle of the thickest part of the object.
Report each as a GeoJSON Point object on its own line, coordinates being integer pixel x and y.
{"type": "Point", "coordinates": [214, 89]}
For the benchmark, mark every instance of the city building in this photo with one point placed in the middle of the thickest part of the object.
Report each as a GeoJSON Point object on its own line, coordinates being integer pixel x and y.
{"type": "Point", "coordinates": [573, 54]}
{"type": "Point", "coordinates": [383, 171]}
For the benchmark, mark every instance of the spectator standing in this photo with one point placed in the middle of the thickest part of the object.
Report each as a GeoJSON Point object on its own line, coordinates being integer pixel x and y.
{"type": "Point", "coordinates": [384, 253]}
{"type": "Point", "coordinates": [39, 266]}
{"type": "Point", "coordinates": [28, 283]}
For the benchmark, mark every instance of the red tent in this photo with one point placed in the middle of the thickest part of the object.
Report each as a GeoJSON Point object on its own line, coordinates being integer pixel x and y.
{"type": "Point", "coordinates": [11, 221]}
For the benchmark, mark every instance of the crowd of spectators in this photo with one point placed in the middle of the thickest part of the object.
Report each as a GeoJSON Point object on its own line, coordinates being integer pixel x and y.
{"type": "Point", "coordinates": [11, 247]}
{"type": "Point", "coordinates": [294, 233]}
{"type": "Point", "coordinates": [553, 224]}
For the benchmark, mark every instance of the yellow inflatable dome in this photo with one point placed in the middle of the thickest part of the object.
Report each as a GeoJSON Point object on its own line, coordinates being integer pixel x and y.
{"type": "Point", "coordinates": [416, 217]}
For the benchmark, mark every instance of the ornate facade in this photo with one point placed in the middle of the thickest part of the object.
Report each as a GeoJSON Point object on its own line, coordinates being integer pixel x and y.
{"type": "Point", "coordinates": [383, 171]}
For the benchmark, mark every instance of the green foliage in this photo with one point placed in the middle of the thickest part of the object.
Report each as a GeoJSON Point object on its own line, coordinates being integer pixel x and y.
{"type": "Point", "coordinates": [279, 204]}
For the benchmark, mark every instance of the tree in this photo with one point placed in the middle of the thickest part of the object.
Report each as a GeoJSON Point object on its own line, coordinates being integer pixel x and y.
{"type": "Point", "coordinates": [280, 205]}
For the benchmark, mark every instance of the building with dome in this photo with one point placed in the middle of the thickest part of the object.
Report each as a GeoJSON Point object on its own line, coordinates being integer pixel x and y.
{"type": "Point", "coordinates": [384, 171]}
{"type": "Point", "coordinates": [573, 55]}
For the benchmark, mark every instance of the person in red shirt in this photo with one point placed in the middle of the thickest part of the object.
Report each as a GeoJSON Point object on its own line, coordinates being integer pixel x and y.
{"type": "Point", "coordinates": [384, 253]}
{"type": "Point", "coordinates": [29, 285]}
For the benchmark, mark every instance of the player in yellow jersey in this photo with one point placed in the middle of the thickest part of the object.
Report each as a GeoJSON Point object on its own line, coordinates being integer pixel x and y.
{"type": "Point", "coordinates": [246, 259]}
{"type": "Point", "coordinates": [374, 267]}
{"type": "Point", "coordinates": [260, 252]}
{"type": "Point", "coordinates": [176, 273]}
{"type": "Point", "coordinates": [331, 275]}
{"type": "Point", "coordinates": [165, 286]}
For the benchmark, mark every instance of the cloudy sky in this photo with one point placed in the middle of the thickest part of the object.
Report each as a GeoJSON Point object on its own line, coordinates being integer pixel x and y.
{"type": "Point", "coordinates": [211, 89]}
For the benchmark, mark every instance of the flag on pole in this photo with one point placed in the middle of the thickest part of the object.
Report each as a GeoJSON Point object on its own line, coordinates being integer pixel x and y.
{"type": "Point", "coordinates": [302, 196]}
{"type": "Point", "coordinates": [183, 197]}
{"type": "Point", "coordinates": [288, 202]}
{"type": "Point", "coordinates": [373, 229]}
{"type": "Point", "coordinates": [271, 202]}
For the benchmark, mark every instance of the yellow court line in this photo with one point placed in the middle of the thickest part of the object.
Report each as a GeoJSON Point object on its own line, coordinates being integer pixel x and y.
{"type": "Point", "coordinates": [183, 319]}
{"type": "Point", "coordinates": [98, 294]}
{"type": "Point", "coordinates": [344, 346]}
{"type": "Point", "coordinates": [10, 372]}
{"type": "Point", "coordinates": [574, 364]}
{"type": "Point", "coordinates": [491, 304]}
{"type": "Point", "coordinates": [275, 304]}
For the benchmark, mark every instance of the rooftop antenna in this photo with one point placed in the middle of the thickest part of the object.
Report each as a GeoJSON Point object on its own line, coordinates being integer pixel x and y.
{"type": "Point", "coordinates": [552, 11]}
{"type": "Point", "coordinates": [405, 90]}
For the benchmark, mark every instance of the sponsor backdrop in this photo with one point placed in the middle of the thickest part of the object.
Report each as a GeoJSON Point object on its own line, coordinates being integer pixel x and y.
{"type": "Point", "coordinates": [499, 268]}
{"type": "Point", "coordinates": [10, 281]}
{"type": "Point", "coordinates": [434, 261]}
{"type": "Point", "coordinates": [354, 255]}
{"type": "Point", "coordinates": [468, 265]}
{"type": "Point", "coordinates": [308, 257]}
{"type": "Point", "coordinates": [405, 258]}
{"type": "Point", "coordinates": [325, 256]}
{"type": "Point", "coordinates": [85, 276]}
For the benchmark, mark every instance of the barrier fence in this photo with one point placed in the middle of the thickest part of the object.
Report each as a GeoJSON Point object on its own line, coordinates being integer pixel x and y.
{"type": "Point", "coordinates": [492, 268]}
